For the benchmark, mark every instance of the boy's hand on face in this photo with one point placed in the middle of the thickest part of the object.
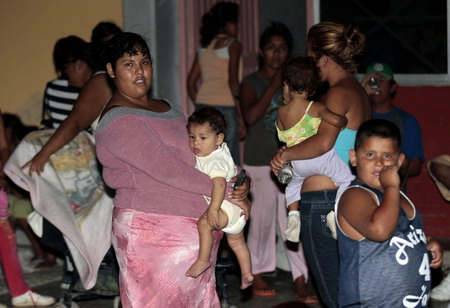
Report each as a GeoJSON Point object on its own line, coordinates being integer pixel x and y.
{"type": "Point", "coordinates": [389, 177]}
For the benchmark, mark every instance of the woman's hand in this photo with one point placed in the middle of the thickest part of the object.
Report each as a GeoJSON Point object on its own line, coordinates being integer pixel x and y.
{"type": "Point", "coordinates": [239, 196]}
{"type": "Point", "coordinates": [242, 129]}
{"type": "Point", "coordinates": [277, 161]}
{"type": "Point", "coordinates": [435, 249]}
{"type": "Point", "coordinates": [246, 206]}
{"type": "Point", "coordinates": [37, 163]}
{"type": "Point", "coordinates": [240, 193]}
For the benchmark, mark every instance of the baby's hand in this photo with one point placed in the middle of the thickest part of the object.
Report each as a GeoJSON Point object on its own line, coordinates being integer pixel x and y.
{"type": "Point", "coordinates": [213, 218]}
{"type": "Point", "coordinates": [389, 176]}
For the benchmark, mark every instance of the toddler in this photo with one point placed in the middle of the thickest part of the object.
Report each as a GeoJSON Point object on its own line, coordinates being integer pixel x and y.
{"type": "Point", "coordinates": [384, 260]}
{"type": "Point", "coordinates": [298, 120]}
{"type": "Point", "coordinates": [206, 134]}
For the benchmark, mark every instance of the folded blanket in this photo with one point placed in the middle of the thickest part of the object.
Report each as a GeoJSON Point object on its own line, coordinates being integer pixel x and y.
{"type": "Point", "coordinates": [70, 194]}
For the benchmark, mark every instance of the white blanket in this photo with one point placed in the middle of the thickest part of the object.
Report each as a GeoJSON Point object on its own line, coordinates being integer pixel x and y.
{"type": "Point", "coordinates": [69, 194]}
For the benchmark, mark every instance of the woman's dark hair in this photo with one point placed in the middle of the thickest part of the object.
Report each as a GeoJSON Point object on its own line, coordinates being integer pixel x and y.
{"type": "Point", "coordinates": [215, 20]}
{"type": "Point", "coordinates": [301, 75]}
{"type": "Point", "coordinates": [340, 43]}
{"type": "Point", "coordinates": [378, 128]}
{"type": "Point", "coordinates": [125, 43]}
{"type": "Point", "coordinates": [275, 29]}
{"type": "Point", "coordinates": [102, 32]}
{"type": "Point", "coordinates": [209, 115]}
{"type": "Point", "coordinates": [65, 51]}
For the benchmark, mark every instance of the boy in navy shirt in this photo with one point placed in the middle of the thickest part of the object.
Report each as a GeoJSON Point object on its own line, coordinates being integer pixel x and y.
{"type": "Point", "coordinates": [382, 245]}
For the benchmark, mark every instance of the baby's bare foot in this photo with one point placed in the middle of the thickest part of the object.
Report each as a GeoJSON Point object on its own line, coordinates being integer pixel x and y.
{"type": "Point", "coordinates": [247, 280]}
{"type": "Point", "coordinates": [198, 268]}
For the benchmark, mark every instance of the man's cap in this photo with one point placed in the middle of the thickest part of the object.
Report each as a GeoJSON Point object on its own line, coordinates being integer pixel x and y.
{"type": "Point", "coordinates": [382, 69]}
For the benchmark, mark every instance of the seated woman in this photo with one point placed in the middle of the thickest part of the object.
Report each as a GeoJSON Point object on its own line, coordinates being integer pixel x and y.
{"type": "Point", "coordinates": [146, 157]}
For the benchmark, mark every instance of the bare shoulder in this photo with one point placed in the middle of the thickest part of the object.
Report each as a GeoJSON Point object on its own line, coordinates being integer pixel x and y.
{"type": "Point", "coordinates": [282, 112]}
{"type": "Point", "coordinates": [98, 82]}
{"type": "Point", "coordinates": [337, 99]}
{"type": "Point", "coordinates": [349, 97]}
{"type": "Point", "coordinates": [99, 78]}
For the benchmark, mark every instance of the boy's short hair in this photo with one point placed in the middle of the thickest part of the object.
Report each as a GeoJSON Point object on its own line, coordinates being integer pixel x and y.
{"type": "Point", "coordinates": [301, 74]}
{"type": "Point", "coordinates": [209, 115]}
{"type": "Point", "coordinates": [378, 128]}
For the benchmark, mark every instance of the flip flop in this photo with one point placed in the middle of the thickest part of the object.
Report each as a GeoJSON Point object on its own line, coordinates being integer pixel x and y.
{"type": "Point", "coordinates": [264, 292]}
{"type": "Point", "coordinates": [308, 299]}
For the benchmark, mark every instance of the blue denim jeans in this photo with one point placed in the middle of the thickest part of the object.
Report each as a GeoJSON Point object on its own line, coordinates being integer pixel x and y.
{"type": "Point", "coordinates": [231, 137]}
{"type": "Point", "coordinates": [320, 248]}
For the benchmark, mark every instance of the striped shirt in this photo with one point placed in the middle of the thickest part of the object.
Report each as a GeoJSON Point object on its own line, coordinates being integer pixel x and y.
{"type": "Point", "coordinates": [59, 99]}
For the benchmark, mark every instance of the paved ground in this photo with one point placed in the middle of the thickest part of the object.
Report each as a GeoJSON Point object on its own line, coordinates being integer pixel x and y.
{"type": "Point", "coordinates": [48, 282]}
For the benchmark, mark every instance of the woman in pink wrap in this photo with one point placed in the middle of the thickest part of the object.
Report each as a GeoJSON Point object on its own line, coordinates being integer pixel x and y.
{"type": "Point", "coordinates": [142, 145]}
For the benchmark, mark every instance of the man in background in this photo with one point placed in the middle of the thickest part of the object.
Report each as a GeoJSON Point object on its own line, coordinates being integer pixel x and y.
{"type": "Point", "coordinates": [381, 87]}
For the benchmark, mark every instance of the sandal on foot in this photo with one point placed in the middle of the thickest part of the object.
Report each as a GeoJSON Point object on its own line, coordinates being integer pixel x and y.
{"type": "Point", "coordinates": [308, 299]}
{"type": "Point", "coordinates": [264, 292]}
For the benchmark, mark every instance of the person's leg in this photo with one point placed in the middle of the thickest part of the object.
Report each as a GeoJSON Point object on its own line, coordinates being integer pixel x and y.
{"type": "Point", "coordinates": [295, 255]}
{"type": "Point", "coordinates": [206, 242]}
{"type": "Point", "coordinates": [320, 248]}
{"type": "Point", "coordinates": [10, 262]}
{"type": "Point", "coordinates": [261, 231]}
{"type": "Point", "coordinates": [240, 249]}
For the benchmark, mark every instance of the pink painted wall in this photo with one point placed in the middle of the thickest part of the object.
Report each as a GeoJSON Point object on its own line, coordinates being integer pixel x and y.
{"type": "Point", "coordinates": [431, 106]}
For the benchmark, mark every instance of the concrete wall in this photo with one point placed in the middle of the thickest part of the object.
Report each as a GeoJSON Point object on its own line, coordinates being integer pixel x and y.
{"type": "Point", "coordinates": [157, 21]}
{"type": "Point", "coordinates": [28, 32]}
{"type": "Point", "coordinates": [290, 12]}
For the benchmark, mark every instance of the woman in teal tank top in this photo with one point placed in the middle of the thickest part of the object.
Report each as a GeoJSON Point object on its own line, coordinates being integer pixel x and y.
{"type": "Point", "coordinates": [333, 47]}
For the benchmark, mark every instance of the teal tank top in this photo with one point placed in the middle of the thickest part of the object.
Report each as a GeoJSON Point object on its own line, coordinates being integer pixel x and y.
{"type": "Point", "coordinates": [344, 143]}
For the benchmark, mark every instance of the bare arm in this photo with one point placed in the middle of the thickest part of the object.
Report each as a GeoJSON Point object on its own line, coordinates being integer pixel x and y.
{"type": "Point", "coordinates": [233, 67]}
{"type": "Point", "coordinates": [217, 195]}
{"type": "Point", "coordinates": [233, 82]}
{"type": "Point", "coordinates": [331, 117]}
{"type": "Point", "coordinates": [359, 210]}
{"type": "Point", "coordinates": [193, 76]}
{"type": "Point", "coordinates": [87, 108]}
{"type": "Point", "coordinates": [254, 108]}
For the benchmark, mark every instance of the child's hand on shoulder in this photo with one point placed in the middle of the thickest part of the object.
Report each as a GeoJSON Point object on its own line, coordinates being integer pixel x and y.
{"type": "Point", "coordinates": [389, 177]}
{"type": "Point", "coordinates": [213, 218]}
